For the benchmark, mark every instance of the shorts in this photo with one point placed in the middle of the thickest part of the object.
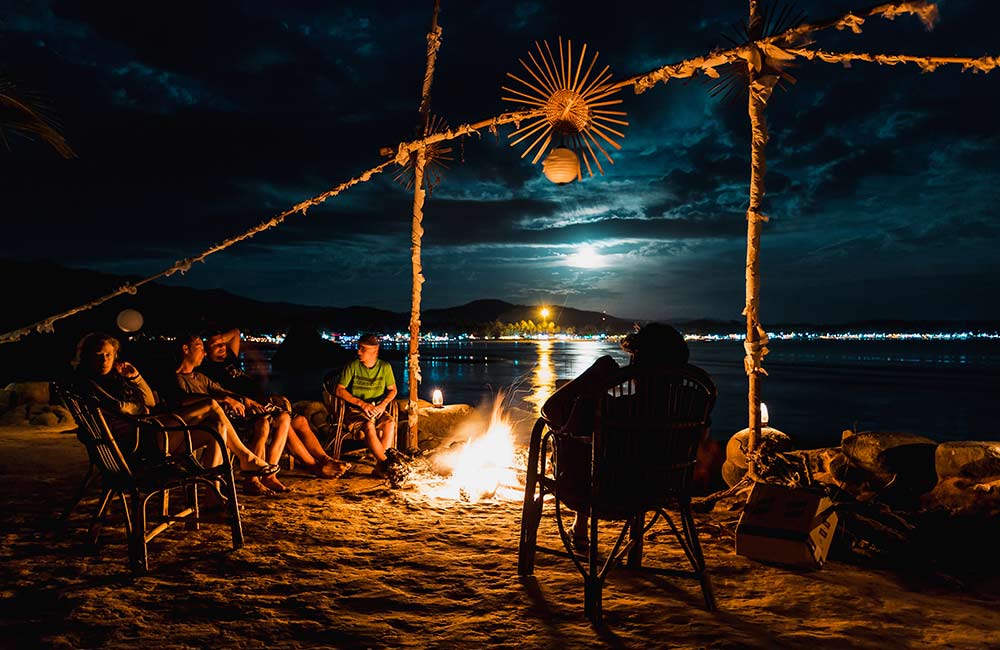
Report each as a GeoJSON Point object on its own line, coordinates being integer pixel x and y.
{"type": "Point", "coordinates": [355, 420]}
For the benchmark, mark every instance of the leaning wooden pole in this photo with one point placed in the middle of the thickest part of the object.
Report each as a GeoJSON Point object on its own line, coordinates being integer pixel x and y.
{"type": "Point", "coordinates": [417, 233]}
{"type": "Point", "coordinates": [756, 338]}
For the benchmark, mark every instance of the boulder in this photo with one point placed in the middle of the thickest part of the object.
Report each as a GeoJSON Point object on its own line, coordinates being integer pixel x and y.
{"type": "Point", "coordinates": [65, 417]}
{"type": "Point", "coordinates": [314, 412]}
{"type": "Point", "coordinates": [904, 460]}
{"type": "Point", "coordinates": [8, 399]}
{"type": "Point", "coordinates": [47, 419]}
{"type": "Point", "coordinates": [974, 460]}
{"type": "Point", "coordinates": [439, 425]}
{"type": "Point", "coordinates": [732, 474]}
{"type": "Point", "coordinates": [15, 417]}
{"type": "Point", "coordinates": [30, 392]}
{"type": "Point", "coordinates": [736, 448]}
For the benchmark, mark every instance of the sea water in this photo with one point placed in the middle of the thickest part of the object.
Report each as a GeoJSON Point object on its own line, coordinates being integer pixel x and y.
{"type": "Point", "coordinates": [815, 389]}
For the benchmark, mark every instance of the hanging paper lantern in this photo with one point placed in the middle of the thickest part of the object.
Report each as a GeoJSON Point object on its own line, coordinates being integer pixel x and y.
{"type": "Point", "coordinates": [561, 166]}
{"type": "Point", "coordinates": [129, 320]}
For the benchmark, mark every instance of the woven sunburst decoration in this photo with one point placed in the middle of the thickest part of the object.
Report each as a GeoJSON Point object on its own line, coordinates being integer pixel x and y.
{"type": "Point", "coordinates": [437, 157]}
{"type": "Point", "coordinates": [575, 104]}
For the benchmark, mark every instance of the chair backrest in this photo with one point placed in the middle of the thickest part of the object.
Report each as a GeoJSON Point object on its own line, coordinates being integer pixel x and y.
{"type": "Point", "coordinates": [647, 430]}
{"type": "Point", "coordinates": [95, 433]}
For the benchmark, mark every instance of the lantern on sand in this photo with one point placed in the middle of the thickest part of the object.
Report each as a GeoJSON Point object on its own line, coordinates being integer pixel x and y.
{"type": "Point", "coordinates": [561, 166]}
{"type": "Point", "coordinates": [437, 399]}
{"type": "Point", "coordinates": [129, 320]}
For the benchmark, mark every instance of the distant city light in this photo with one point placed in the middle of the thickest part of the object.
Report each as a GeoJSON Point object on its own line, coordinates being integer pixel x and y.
{"type": "Point", "coordinates": [349, 340]}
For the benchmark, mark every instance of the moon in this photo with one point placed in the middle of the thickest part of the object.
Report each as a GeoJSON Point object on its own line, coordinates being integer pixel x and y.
{"type": "Point", "coordinates": [586, 257]}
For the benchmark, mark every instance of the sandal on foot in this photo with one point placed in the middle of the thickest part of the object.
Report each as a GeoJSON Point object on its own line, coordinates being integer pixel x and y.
{"type": "Point", "coordinates": [267, 470]}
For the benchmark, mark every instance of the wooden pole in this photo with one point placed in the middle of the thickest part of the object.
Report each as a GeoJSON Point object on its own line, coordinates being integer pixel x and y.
{"type": "Point", "coordinates": [753, 343]}
{"type": "Point", "coordinates": [417, 233]}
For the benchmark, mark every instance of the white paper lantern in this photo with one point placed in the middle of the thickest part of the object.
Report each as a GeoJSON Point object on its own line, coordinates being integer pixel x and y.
{"type": "Point", "coordinates": [561, 166]}
{"type": "Point", "coordinates": [129, 320]}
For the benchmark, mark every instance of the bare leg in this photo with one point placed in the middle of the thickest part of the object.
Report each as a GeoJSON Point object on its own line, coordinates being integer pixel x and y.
{"type": "Point", "coordinates": [388, 434]}
{"type": "Point", "coordinates": [258, 437]}
{"type": "Point", "coordinates": [299, 450]}
{"type": "Point", "coordinates": [374, 442]}
{"type": "Point", "coordinates": [306, 447]}
{"type": "Point", "coordinates": [276, 447]}
{"type": "Point", "coordinates": [208, 413]}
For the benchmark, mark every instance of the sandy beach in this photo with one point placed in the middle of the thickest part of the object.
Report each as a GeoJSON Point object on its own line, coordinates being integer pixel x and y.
{"type": "Point", "coordinates": [353, 564]}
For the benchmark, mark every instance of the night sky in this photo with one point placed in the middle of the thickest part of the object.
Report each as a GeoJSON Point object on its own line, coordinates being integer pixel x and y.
{"type": "Point", "coordinates": [194, 121]}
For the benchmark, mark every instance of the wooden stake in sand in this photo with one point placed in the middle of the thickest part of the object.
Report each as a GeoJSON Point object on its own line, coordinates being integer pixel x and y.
{"type": "Point", "coordinates": [417, 231]}
{"type": "Point", "coordinates": [756, 339]}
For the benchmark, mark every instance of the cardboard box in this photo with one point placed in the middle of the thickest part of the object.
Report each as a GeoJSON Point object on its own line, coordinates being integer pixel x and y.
{"type": "Point", "coordinates": [786, 526]}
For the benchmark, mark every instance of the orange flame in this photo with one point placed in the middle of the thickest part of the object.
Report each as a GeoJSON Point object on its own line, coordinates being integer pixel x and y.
{"type": "Point", "coordinates": [484, 466]}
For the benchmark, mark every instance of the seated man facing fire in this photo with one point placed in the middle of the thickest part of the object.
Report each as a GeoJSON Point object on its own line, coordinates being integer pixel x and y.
{"type": "Point", "coordinates": [222, 365]}
{"type": "Point", "coordinates": [369, 387]}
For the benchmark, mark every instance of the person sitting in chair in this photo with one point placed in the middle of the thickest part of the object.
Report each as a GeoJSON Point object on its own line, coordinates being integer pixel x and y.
{"type": "Point", "coordinates": [369, 387]}
{"type": "Point", "coordinates": [222, 365]}
{"type": "Point", "coordinates": [571, 408]}
{"type": "Point", "coordinates": [120, 389]}
{"type": "Point", "coordinates": [269, 426]}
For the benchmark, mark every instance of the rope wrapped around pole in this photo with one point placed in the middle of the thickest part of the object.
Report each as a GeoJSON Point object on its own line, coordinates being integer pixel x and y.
{"type": "Point", "coordinates": [417, 235]}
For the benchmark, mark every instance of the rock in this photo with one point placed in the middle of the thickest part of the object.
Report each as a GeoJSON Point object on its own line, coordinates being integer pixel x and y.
{"type": "Point", "coordinates": [438, 426]}
{"type": "Point", "coordinates": [65, 417]}
{"type": "Point", "coordinates": [973, 460]}
{"type": "Point", "coordinates": [958, 495]}
{"type": "Point", "coordinates": [8, 399]}
{"type": "Point", "coordinates": [904, 460]}
{"type": "Point", "coordinates": [736, 448]}
{"type": "Point", "coordinates": [30, 392]}
{"type": "Point", "coordinates": [16, 417]}
{"type": "Point", "coordinates": [732, 474]}
{"type": "Point", "coordinates": [47, 419]}
{"type": "Point", "coordinates": [314, 412]}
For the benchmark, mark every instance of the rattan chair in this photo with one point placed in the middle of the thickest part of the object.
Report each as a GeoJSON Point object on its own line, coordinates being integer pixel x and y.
{"type": "Point", "coordinates": [340, 429]}
{"type": "Point", "coordinates": [647, 429]}
{"type": "Point", "coordinates": [137, 474]}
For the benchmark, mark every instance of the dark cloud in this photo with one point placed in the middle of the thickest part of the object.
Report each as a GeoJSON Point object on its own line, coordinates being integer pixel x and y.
{"type": "Point", "coordinates": [195, 121]}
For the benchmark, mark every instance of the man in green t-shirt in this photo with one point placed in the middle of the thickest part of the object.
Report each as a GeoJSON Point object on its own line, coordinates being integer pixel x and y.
{"type": "Point", "coordinates": [368, 386]}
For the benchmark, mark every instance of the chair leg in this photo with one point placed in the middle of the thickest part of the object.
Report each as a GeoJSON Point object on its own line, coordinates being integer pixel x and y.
{"type": "Point", "coordinates": [85, 484]}
{"type": "Point", "coordinates": [636, 532]}
{"type": "Point", "coordinates": [531, 515]}
{"type": "Point", "coordinates": [234, 510]}
{"type": "Point", "coordinates": [593, 584]}
{"type": "Point", "coordinates": [531, 511]}
{"type": "Point", "coordinates": [687, 519]}
{"type": "Point", "coordinates": [94, 533]}
{"type": "Point", "coordinates": [137, 541]}
{"type": "Point", "coordinates": [191, 501]}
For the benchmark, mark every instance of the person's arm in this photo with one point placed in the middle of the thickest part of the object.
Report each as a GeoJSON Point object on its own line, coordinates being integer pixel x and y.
{"type": "Point", "coordinates": [232, 340]}
{"type": "Point", "coordinates": [221, 395]}
{"type": "Point", "coordinates": [130, 372]}
{"type": "Point", "coordinates": [346, 395]}
{"type": "Point", "coordinates": [390, 394]}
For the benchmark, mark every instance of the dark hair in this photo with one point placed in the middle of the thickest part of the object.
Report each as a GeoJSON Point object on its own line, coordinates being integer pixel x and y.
{"type": "Point", "coordinates": [89, 345]}
{"type": "Point", "coordinates": [368, 339]}
{"type": "Point", "coordinates": [657, 343]}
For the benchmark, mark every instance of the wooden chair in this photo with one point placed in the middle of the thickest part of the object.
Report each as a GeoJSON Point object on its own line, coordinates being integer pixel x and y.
{"type": "Point", "coordinates": [647, 429]}
{"type": "Point", "coordinates": [135, 476]}
{"type": "Point", "coordinates": [337, 410]}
